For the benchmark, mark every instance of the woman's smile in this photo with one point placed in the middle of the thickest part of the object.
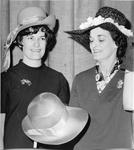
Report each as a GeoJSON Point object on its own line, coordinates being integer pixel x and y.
{"type": "Point", "coordinates": [97, 51]}
{"type": "Point", "coordinates": [35, 50]}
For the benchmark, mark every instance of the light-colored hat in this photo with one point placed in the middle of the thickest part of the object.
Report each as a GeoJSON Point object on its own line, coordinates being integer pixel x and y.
{"type": "Point", "coordinates": [49, 121]}
{"type": "Point", "coordinates": [27, 17]}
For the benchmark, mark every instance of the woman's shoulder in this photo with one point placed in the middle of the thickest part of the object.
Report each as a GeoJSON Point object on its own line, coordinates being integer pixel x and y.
{"type": "Point", "coordinates": [52, 72]}
{"type": "Point", "coordinates": [8, 74]}
{"type": "Point", "coordinates": [86, 73]}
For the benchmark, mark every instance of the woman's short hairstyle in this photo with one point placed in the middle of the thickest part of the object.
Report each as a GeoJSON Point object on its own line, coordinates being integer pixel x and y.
{"type": "Point", "coordinates": [49, 34]}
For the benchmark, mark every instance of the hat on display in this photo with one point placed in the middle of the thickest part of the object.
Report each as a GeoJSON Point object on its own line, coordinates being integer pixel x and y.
{"type": "Point", "coordinates": [49, 121]}
{"type": "Point", "coordinates": [27, 17]}
{"type": "Point", "coordinates": [105, 15]}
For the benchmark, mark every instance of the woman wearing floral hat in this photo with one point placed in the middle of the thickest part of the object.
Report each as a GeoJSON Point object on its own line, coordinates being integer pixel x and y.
{"type": "Point", "coordinates": [21, 83]}
{"type": "Point", "coordinates": [99, 90]}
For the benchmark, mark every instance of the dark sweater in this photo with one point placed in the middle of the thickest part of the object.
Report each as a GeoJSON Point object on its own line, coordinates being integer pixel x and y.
{"type": "Point", "coordinates": [111, 125]}
{"type": "Point", "coordinates": [20, 84]}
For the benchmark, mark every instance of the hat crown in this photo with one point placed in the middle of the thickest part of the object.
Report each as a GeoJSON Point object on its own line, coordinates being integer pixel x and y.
{"type": "Point", "coordinates": [46, 110]}
{"type": "Point", "coordinates": [30, 14]}
{"type": "Point", "coordinates": [117, 16]}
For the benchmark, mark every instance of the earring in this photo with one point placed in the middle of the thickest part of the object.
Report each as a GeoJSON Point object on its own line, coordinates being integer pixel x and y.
{"type": "Point", "coordinates": [20, 46]}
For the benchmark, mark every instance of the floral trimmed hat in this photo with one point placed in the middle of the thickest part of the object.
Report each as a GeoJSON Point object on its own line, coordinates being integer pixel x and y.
{"type": "Point", "coordinates": [105, 15]}
{"type": "Point", "coordinates": [27, 17]}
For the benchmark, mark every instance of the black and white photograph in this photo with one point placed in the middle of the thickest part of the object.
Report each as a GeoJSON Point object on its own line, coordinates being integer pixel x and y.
{"type": "Point", "coordinates": [67, 74]}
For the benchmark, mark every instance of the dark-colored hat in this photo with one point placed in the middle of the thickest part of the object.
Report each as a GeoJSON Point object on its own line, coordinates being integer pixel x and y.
{"type": "Point", "coordinates": [27, 17]}
{"type": "Point", "coordinates": [105, 15]}
{"type": "Point", "coordinates": [49, 121]}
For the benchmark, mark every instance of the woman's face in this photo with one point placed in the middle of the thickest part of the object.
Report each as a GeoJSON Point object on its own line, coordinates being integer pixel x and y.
{"type": "Point", "coordinates": [34, 46]}
{"type": "Point", "coordinates": [102, 45]}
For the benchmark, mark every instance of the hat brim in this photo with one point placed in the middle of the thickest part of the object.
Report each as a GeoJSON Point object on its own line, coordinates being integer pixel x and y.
{"type": "Point", "coordinates": [81, 36]}
{"type": "Point", "coordinates": [77, 119]}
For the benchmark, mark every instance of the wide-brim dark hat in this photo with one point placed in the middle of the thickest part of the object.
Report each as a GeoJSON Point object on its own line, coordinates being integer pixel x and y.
{"type": "Point", "coordinates": [81, 37]}
{"type": "Point", "coordinates": [49, 121]}
{"type": "Point", "coordinates": [105, 15]}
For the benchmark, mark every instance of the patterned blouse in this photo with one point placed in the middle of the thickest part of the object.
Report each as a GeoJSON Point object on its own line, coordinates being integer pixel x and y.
{"type": "Point", "coordinates": [101, 82]}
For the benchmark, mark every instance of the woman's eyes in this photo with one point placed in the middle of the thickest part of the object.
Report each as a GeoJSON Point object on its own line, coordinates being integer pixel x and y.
{"type": "Point", "coordinates": [43, 38]}
{"type": "Point", "coordinates": [29, 37]}
{"type": "Point", "coordinates": [100, 40]}
{"type": "Point", "coordinates": [32, 38]}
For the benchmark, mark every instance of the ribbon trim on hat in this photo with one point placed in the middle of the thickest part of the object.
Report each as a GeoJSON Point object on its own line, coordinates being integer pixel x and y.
{"type": "Point", "coordinates": [100, 20]}
{"type": "Point", "coordinates": [32, 20]}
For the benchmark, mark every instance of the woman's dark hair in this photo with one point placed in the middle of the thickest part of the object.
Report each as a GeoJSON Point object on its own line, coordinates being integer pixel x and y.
{"type": "Point", "coordinates": [49, 34]}
{"type": "Point", "coordinates": [119, 38]}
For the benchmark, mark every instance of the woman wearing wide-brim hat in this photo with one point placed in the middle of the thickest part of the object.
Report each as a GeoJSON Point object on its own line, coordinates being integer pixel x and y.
{"type": "Point", "coordinates": [99, 90]}
{"type": "Point", "coordinates": [35, 36]}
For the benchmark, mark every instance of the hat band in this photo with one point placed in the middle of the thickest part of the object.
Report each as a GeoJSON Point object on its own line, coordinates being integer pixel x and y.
{"type": "Point", "coordinates": [54, 131]}
{"type": "Point", "coordinates": [33, 19]}
{"type": "Point", "coordinates": [100, 20]}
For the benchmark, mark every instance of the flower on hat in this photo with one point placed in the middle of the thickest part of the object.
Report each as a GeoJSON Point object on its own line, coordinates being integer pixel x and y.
{"type": "Point", "coordinates": [100, 20]}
